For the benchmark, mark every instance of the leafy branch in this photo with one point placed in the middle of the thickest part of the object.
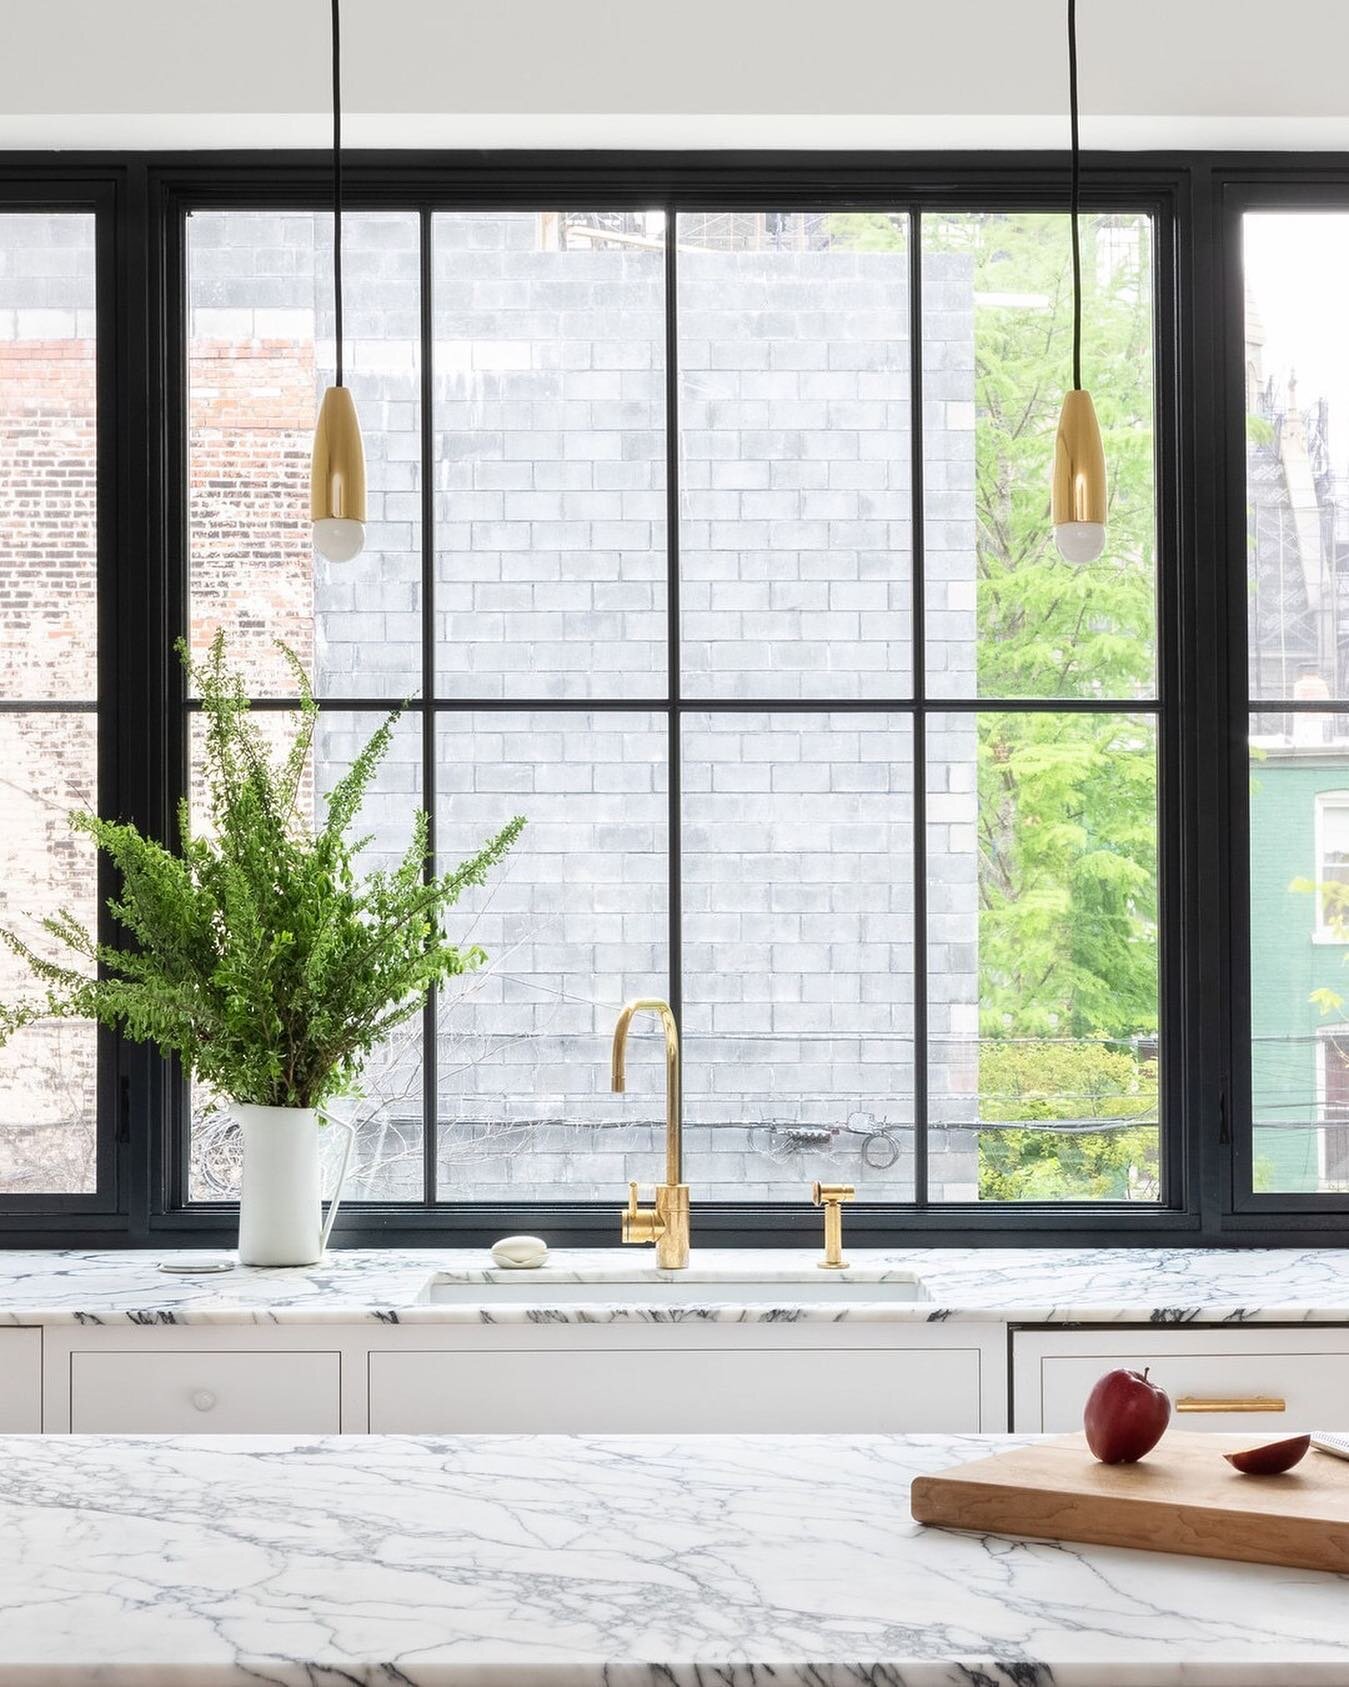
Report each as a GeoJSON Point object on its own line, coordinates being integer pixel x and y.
{"type": "Point", "coordinates": [259, 954]}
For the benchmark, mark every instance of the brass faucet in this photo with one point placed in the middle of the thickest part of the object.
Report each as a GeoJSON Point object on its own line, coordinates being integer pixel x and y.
{"type": "Point", "coordinates": [666, 1222]}
{"type": "Point", "coordinates": [831, 1196]}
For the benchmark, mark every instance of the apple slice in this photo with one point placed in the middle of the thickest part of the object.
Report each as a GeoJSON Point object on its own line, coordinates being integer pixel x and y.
{"type": "Point", "coordinates": [1272, 1459]}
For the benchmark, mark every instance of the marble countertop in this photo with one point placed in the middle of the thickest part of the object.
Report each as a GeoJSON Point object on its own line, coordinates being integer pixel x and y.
{"type": "Point", "coordinates": [1016, 1285]}
{"type": "Point", "coordinates": [554, 1561]}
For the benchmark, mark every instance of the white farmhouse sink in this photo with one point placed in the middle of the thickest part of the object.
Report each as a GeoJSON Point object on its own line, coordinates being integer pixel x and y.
{"type": "Point", "coordinates": [635, 1287]}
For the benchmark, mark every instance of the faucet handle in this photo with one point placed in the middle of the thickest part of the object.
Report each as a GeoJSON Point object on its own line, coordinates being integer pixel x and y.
{"type": "Point", "coordinates": [640, 1224]}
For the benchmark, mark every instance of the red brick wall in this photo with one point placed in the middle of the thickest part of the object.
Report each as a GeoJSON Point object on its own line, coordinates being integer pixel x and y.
{"type": "Point", "coordinates": [251, 423]}
{"type": "Point", "coordinates": [48, 620]}
{"type": "Point", "coordinates": [251, 428]}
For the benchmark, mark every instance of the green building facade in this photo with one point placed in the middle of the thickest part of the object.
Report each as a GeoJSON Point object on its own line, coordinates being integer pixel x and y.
{"type": "Point", "coordinates": [1299, 1039]}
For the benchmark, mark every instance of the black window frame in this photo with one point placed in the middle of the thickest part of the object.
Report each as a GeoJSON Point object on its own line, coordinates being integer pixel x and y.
{"type": "Point", "coordinates": [1315, 184]}
{"type": "Point", "coordinates": [143, 200]}
{"type": "Point", "coordinates": [97, 189]}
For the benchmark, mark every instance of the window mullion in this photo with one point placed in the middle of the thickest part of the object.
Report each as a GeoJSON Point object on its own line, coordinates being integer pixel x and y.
{"type": "Point", "coordinates": [918, 651]}
{"type": "Point", "coordinates": [673, 643]}
{"type": "Point", "coordinates": [430, 1009]}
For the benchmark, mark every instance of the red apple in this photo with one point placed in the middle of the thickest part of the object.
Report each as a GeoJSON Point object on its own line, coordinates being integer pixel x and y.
{"type": "Point", "coordinates": [1125, 1416]}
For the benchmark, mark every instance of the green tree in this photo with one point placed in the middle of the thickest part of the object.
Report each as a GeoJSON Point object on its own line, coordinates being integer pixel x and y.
{"type": "Point", "coordinates": [1067, 801]}
{"type": "Point", "coordinates": [1067, 1083]}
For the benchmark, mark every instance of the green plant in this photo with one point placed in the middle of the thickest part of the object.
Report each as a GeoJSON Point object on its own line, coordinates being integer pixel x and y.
{"type": "Point", "coordinates": [1057, 1083]}
{"type": "Point", "coordinates": [259, 954]}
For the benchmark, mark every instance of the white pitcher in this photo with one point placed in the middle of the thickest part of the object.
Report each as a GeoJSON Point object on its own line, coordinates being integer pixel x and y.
{"type": "Point", "coordinates": [280, 1206]}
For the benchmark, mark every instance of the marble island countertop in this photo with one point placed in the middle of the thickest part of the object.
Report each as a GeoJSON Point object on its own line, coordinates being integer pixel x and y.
{"type": "Point", "coordinates": [552, 1561]}
{"type": "Point", "coordinates": [393, 1286]}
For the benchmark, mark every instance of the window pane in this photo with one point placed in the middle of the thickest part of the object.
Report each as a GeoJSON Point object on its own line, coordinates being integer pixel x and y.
{"type": "Point", "coordinates": [387, 1163]}
{"type": "Point", "coordinates": [1006, 615]}
{"type": "Point", "coordinates": [1043, 954]}
{"type": "Point", "coordinates": [48, 612]}
{"type": "Point", "coordinates": [1297, 408]}
{"type": "Point", "coordinates": [260, 295]}
{"type": "Point", "coordinates": [550, 454]}
{"type": "Point", "coordinates": [574, 924]}
{"type": "Point", "coordinates": [48, 1092]}
{"type": "Point", "coordinates": [1332, 860]}
{"type": "Point", "coordinates": [794, 455]}
{"type": "Point", "coordinates": [1299, 806]}
{"type": "Point", "coordinates": [798, 954]}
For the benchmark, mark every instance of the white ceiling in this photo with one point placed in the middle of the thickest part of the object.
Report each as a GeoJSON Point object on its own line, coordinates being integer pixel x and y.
{"type": "Point", "coordinates": [692, 73]}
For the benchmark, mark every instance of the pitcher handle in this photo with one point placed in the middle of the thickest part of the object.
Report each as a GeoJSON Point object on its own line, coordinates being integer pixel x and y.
{"type": "Point", "coordinates": [336, 1200]}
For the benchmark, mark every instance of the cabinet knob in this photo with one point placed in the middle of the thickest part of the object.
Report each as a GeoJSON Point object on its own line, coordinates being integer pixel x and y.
{"type": "Point", "coordinates": [204, 1400]}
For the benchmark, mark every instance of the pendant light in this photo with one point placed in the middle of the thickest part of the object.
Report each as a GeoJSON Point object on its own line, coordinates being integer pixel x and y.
{"type": "Point", "coordinates": [337, 473]}
{"type": "Point", "coordinates": [1078, 496]}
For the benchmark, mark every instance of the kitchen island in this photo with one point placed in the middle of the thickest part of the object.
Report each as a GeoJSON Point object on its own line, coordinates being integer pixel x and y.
{"type": "Point", "coordinates": [555, 1561]}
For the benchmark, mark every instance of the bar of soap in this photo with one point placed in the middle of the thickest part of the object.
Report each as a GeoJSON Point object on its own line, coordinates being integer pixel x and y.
{"type": "Point", "coordinates": [519, 1253]}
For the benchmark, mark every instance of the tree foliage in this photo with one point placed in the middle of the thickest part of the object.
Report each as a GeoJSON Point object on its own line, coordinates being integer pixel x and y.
{"type": "Point", "coordinates": [1067, 828]}
{"type": "Point", "coordinates": [258, 953]}
{"type": "Point", "coordinates": [1067, 1083]}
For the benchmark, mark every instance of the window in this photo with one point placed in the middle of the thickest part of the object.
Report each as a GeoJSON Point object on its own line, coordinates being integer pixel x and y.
{"type": "Point", "coordinates": [1296, 403]}
{"type": "Point", "coordinates": [1332, 864]}
{"type": "Point", "coordinates": [1333, 1106]}
{"type": "Point", "coordinates": [709, 530]}
{"type": "Point", "coordinates": [48, 678]}
{"type": "Point", "coordinates": [814, 731]}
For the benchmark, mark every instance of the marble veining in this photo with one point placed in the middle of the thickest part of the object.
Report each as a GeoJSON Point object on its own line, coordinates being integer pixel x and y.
{"type": "Point", "coordinates": [551, 1561]}
{"type": "Point", "coordinates": [1022, 1285]}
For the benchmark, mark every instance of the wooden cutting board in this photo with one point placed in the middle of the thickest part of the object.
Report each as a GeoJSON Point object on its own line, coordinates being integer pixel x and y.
{"type": "Point", "coordinates": [1184, 1497]}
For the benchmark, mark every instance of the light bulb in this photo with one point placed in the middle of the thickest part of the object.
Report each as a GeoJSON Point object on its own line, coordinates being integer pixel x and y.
{"type": "Point", "coordinates": [338, 538]}
{"type": "Point", "coordinates": [1080, 541]}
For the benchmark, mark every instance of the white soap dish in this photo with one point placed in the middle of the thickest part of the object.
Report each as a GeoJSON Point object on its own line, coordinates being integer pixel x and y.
{"type": "Point", "coordinates": [196, 1265]}
{"type": "Point", "coordinates": [519, 1253]}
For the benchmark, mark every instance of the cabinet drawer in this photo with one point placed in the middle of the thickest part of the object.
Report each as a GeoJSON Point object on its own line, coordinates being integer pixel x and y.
{"type": "Point", "coordinates": [1216, 1380]}
{"type": "Point", "coordinates": [134, 1393]}
{"type": "Point", "coordinates": [667, 1391]}
{"type": "Point", "coordinates": [20, 1382]}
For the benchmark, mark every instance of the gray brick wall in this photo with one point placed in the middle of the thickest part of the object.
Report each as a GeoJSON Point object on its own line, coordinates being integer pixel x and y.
{"type": "Point", "coordinates": [550, 501]}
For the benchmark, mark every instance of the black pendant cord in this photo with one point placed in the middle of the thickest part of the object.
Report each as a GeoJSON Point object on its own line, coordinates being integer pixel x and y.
{"type": "Point", "coordinates": [337, 187]}
{"type": "Point", "coordinates": [1075, 195]}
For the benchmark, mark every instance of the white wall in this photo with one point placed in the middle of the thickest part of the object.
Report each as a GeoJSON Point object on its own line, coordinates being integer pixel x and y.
{"type": "Point", "coordinates": [698, 73]}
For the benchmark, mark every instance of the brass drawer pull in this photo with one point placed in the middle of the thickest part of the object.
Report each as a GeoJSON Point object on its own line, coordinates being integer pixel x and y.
{"type": "Point", "coordinates": [1247, 1403]}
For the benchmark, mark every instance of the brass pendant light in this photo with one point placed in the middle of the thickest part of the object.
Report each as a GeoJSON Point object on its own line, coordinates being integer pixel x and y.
{"type": "Point", "coordinates": [1078, 495]}
{"type": "Point", "coordinates": [337, 473]}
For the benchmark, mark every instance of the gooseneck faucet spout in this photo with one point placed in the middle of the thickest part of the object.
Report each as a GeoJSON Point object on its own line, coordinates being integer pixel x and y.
{"type": "Point", "coordinates": [666, 1222]}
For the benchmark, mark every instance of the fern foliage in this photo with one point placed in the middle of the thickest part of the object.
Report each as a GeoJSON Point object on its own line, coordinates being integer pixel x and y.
{"type": "Point", "coordinates": [258, 953]}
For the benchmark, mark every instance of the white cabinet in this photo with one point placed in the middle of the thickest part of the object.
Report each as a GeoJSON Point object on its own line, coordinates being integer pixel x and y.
{"type": "Point", "coordinates": [758, 1381]}
{"type": "Point", "coordinates": [429, 1378]}
{"type": "Point", "coordinates": [20, 1382]}
{"type": "Point", "coordinates": [1249, 1379]}
{"type": "Point", "coordinates": [851, 1377]}
{"type": "Point", "coordinates": [195, 1381]}
{"type": "Point", "coordinates": [205, 1393]}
